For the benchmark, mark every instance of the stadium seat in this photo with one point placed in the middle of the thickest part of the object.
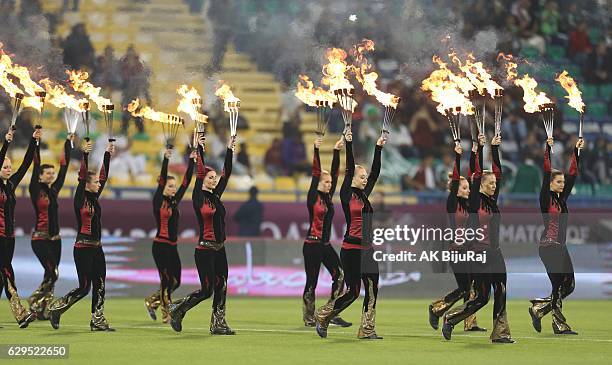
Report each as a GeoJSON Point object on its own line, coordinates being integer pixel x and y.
{"type": "Point", "coordinates": [530, 52]}
{"type": "Point", "coordinates": [556, 53]}
{"type": "Point", "coordinates": [589, 92]}
{"type": "Point", "coordinates": [605, 91]}
{"type": "Point", "coordinates": [597, 109]}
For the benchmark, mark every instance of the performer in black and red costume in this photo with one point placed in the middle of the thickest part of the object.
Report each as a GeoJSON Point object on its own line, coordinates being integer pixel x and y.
{"type": "Point", "coordinates": [167, 215]}
{"type": "Point", "coordinates": [46, 241]}
{"type": "Point", "coordinates": [88, 254]}
{"type": "Point", "coordinates": [485, 216]}
{"type": "Point", "coordinates": [553, 252]}
{"type": "Point", "coordinates": [357, 252]}
{"type": "Point", "coordinates": [317, 249]}
{"type": "Point", "coordinates": [8, 184]}
{"type": "Point", "coordinates": [210, 256]}
{"type": "Point", "coordinates": [457, 209]}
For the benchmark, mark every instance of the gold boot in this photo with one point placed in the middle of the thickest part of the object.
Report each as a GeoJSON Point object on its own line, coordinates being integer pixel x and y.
{"type": "Point", "coordinates": [99, 322]}
{"type": "Point", "coordinates": [22, 316]}
{"type": "Point", "coordinates": [308, 308]}
{"type": "Point", "coordinates": [501, 329]}
{"type": "Point", "coordinates": [322, 317]}
{"type": "Point", "coordinates": [559, 324]}
{"type": "Point", "coordinates": [218, 325]}
{"type": "Point", "coordinates": [153, 302]}
{"type": "Point", "coordinates": [368, 323]}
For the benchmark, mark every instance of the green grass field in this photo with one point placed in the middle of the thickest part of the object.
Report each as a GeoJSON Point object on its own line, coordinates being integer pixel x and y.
{"type": "Point", "coordinates": [270, 331]}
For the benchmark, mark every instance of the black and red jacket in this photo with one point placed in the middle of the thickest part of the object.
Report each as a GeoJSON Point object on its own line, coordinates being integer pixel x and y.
{"type": "Point", "coordinates": [7, 190]}
{"type": "Point", "coordinates": [44, 197]}
{"type": "Point", "coordinates": [554, 206]}
{"type": "Point", "coordinates": [484, 212]}
{"type": "Point", "coordinates": [165, 208]}
{"type": "Point", "coordinates": [208, 206]}
{"type": "Point", "coordinates": [355, 204]}
{"type": "Point", "coordinates": [320, 205]}
{"type": "Point", "coordinates": [86, 205]}
{"type": "Point", "coordinates": [456, 207]}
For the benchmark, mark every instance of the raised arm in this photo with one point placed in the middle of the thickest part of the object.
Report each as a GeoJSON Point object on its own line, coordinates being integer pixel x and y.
{"type": "Point", "coordinates": [7, 141]}
{"type": "Point", "coordinates": [545, 189]}
{"type": "Point", "coordinates": [375, 170]}
{"type": "Point", "coordinates": [34, 186]}
{"type": "Point", "coordinates": [161, 181]}
{"type": "Point", "coordinates": [496, 165]}
{"type": "Point", "coordinates": [345, 189]}
{"type": "Point", "coordinates": [200, 173]}
{"type": "Point", "coordinates": [335, 166]}
{"type": "Point", "coordinates": [451, 201]}
{"type": "Point", "coordinates": [316, 173]}
{"type": "Point", "coordinates": [104, 171]}
{"type": "Point", "coordinates": [64, 163]}
{"type": "Point", "coordinates": [25, 165]}
{"type": "Point", "coordinates": [226, 173]}
{"type": "Point", "coordinates": [187, 178]}
{"type": "Point", "coordinates": [474, 197]}
{"type": "Point", "coordinates": [573, 171]}
{"type": "Point", "coordinates": [79, 194]}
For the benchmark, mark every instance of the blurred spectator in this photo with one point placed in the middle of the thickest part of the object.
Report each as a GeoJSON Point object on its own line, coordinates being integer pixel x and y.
{"type": "Point", "coordinates": [29, 8]}
{"type": "Point", "coordinates": [549, 21]}
{"type": "Point", "coordinates": [598, 161]}
{"type": "Point", "coordinates": [423, 130]}
{"type": "Point", "coordinates": [579, 43]}
{"type": "Point", "coordinates": [250, 215]}
{"type": "Point", "coordinates": [423, 179]}
{"type": "Point", "coordinates": [527, 178]}
{"type": "Point", "coordinates": [273, 160]}
{"type": "Point", "coordinates": [382, 213]}
{"type": "Point", "coordinates": [442, 170]}
{"type": "Point", "coordinates": [221, 15]}
{"type": "Point", "coordinates": [520, 10]}
{"type": "Point", "coordinates": [369, 129]}
{"type": "Point", "coordinates": [243, 158]}
{"type": "Point", "coordinates": [599, 64]}
{"type": "Point", "coordinates": [135, 78]}
{"type": "Point", "coordinates": [78, 50]}
{"type": "Point", "coordinates": [289, 105]}
{"type": "Point", "coordinates": [571, 17]}
{"type": "Point", "coordinates": [514, 130]}
{"type": "Point", "coordinates": [294, 156]}
{"type": "Point", "coordinates": [107, 73]}
{"type": "Point", "coordinates": [66, 5]}
{"type": "Point", "coordinates": [531, 38]}
{"type": "Point", "coordinates": [401, 139]}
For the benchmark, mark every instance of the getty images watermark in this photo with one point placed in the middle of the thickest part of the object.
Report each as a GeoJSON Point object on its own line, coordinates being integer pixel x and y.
{"type": "Point", "coordinates": [411, 236]}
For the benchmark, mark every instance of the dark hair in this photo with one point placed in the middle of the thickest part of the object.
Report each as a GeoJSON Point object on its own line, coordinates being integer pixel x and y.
{"type": "Point", "coordinates": [450, 180]}
{"type": "Point", "coordinates": [554, 173]}
{"type": "Point", "coordinates": [91, 175]}
{"type": "Point", "coordinates": [253, 191]}
{"type": "Point", "coordinates": [170, 177]}
{"type": "Point", "coordinates": [45, 166]}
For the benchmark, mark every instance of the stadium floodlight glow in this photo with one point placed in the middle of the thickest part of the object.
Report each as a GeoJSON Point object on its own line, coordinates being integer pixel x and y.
{"type": "Point", "coordinates": [547, 112]}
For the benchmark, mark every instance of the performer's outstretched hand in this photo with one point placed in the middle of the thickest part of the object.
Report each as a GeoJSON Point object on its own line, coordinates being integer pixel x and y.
{"type": "Point", "coordinates": [232, 143]}
{"type": "Point", "coordinates": [348, 136]}
{"type": "Point", "coordinates": [580, 143]}
{"type": "Point", "coordinates": [458, 149]}
{"type": "Point", "coordinates": [37, 133]}
{"type": "Point", "coordinates": [482, 139]}
{"type": "Point", "coordinates": [88, 147]}
{"type": "Point", "coordinates": [111, 148]}
{"type": "Point", "coordinates": [339, 144]}
{"type": "Point", "coordinates": [318, 141]}
{"type": "Point", "coordinates": [550, 142]}
{"type": "Point", "coordinates": [381, 141]}
{"type": "Point", "coordinates": [168, 153]}
{"type": "Point", "coordinates": [70, 137]}
{"type": "Point", "coordinates": [496, 141]}
{"type": "Point", "coordinates": [193, 155]}
{"type": "Point", "coordinates": [9, 136]}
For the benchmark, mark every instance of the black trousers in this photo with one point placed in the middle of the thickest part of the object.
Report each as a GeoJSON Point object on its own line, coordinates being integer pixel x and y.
{"type": "Point", "coordinates": [560, 271]}
{"type": "Point", "coordinates": [491, 274]}
{"type": "Point", "coordinates": [359, 266]}
{"type": "Point", "coordinates": [168, 265]}
{"type": "Point", "coordinates": [316, 254]}
{"type": "Point", "coordinates": [464, 283]}
{"type": "Point", "coordinates": [7, 275]}
{"type": "Point", "coordinates": [49, 254]}
{"type": "Point", "coordinates": [212, 270]}
{"type": "Point", "coordinates": [91, 270]}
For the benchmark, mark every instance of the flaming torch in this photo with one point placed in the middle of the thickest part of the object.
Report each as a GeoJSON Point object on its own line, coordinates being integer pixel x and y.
{"type": "Point", "coordinates": [574, 96]}
{"type": "Point", "coordinates": [78, 81]}
{"type": "Point", "coordinates": [499, 105]}
{"type": "Point", "coordinates": [190, 103]}
{"type": "Point", "coordinates": [319, 98]}
{"type": "Point", "coordinates": [452, 102]}
{"type": "Point", "coordinates": [231, 106]}
{"type": "Point", "coordinates": [535, 102]}
{"type": "Point", "coordinates": [170, 122]}
{"type": "Point", "coordinates": [368, 78]}
{"type": "Point", "coordinates": [72, 106]}
{"type": "Point", "coordinates": [334, 75]}
{"type": "Point", "coordinates": [85, 117]}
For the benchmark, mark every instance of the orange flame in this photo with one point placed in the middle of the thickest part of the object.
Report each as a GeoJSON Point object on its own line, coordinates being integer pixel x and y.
{"type": "Point", "coordinates": [23, 74]}
{"type": "Point", "coordinates": [367, 78]}
{"type": "Point", "coordinates": [33, 102]}
{"type": "Point", "coordinates": [6, 66]}
{"type": "Point", "coordinates": [190, 103]}
{"type": "Point", "coordinates": [532, 99]}
{"type": "Point", "coordinates": [78, 81]}
{"type": "Point", "coordinates": [309, 95]}
{"type": "Point", "coordinates": [146, 112]}
{"type": "Point", "coordinates": [445, 91]}
{"type": "Point", "coordinates": [477, 74]}
{"type": "Point", "coordinates": [574, 95]}
{"type": "Point", "coordinates": [225, 93]}
{"type": "Point", "coordinates": [509, 64]}
{"type": "Point", "coordinates": [56, 95]}
{"type": "Point", "coordinates": [334, 72]}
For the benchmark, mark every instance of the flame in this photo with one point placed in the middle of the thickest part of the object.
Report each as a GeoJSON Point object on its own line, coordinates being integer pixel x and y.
{"type": "Point", "coordinates": [23, 74]}
{"type": "Point", "coordinates": [56, 95]}
{"type": "Point", "coordinates": [334, 72]}
{"type": "Point", "coordinates": [477, 74]}
{"type": "Point", "coordinates": [225, 93]}
{"type": "Point", "coordinates": [309, 95]}
{"type": "Point", "coordinates": [78, 81]}
{"type": "Point", "coordinates": [532, 99]}
{"type": "Point", "coordinates": [511, 66]}
{"type": "Point", "coordinates": [6, 66]}
{"type": "Point", "coordinates": [33, 102]}
{"type": "Point", "coordinates": [146, 112]}
{"type": "Point", "coordinates": [367, 78]}
{"type": "Point", "coordinates": [190, 103]}
{"type": "Point", "coordinates": [445, 91]}
{"type": "Point", "coordinates": [461, 81]}
{"type": "Point", "coordinates": [574, 95]}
